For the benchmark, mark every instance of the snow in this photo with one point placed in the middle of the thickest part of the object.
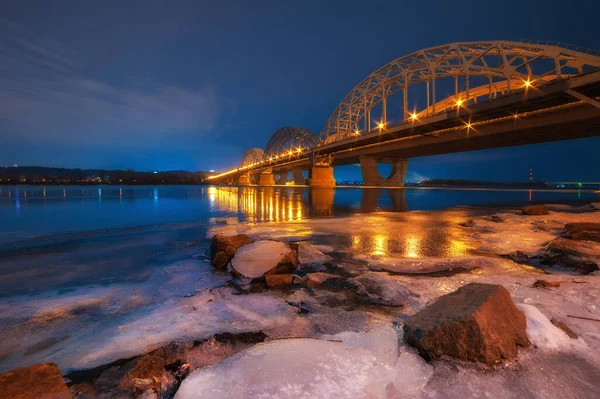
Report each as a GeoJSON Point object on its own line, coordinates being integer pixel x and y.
{"type": "Point", "coordinates": [256, 259]}
{"type": "Point", "coordinates": [95, 325]}
{"type": "Point", "coordinates": [541, 332]}
{"type": "Point", "coordinates": [363, 365]}
{"type": "Point", "coordinates": [189, 319]}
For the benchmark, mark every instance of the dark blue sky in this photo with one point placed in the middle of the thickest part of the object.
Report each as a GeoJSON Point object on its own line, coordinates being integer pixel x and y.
{"type": "Point", "coordinates": [192, 84]}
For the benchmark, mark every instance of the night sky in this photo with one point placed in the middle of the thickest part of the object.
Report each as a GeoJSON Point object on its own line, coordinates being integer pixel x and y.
{"type": "Point", "coordinates": [192, 84]}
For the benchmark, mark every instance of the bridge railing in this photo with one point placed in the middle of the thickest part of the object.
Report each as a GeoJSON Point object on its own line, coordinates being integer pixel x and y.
{"type": "Point", "coordinates": [567, 46]}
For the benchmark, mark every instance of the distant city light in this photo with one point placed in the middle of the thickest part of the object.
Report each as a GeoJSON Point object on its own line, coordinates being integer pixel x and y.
{"type": "Point", "coordinates": [212, 171]}
{"type": "Point", "coordinates": [155, 172]}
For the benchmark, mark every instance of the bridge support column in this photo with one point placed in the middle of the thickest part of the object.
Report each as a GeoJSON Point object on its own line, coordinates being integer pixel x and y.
{"type": "Point", "coordinates": [371, 176]}
{"type": "Point", "coordinates": [266, 179]}
{"type": "Point", "coordinates": [283, 175]}
{"type": "Point", "coordinates": [321, 176]}
{"type": "Point", "coordinates": [299, 178]}
{"type": "Point", "coordinates": [244, 179]}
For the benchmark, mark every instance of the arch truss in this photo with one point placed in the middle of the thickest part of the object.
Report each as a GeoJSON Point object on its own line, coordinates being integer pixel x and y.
{"type": "Point", "coordinates": [289, 141]}
{"type": "Point", "coordinates": [462, 72]}
{"type": "Point", "coordinates": [252, 156]}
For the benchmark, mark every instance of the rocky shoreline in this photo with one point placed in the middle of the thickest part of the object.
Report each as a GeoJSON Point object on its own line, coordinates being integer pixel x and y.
{"type": "Point", "coordinates": [413, 324]}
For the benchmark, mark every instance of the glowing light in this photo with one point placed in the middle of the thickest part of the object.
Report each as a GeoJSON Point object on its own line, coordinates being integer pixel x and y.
{"type": "Point", "coordinates": [357, 132]}
{"type": "Point", "coordinates": [380, 244]}
{"type": "Point", "coordinates": [527, 83]}
{"type": "Point", "coordinates": [414, 116]}
{"type": "Point", "coordinates": [299, 150]}
{"type": "Point", "coordinates": [381, 125]}
{"type": "Point", "coordinates": [459, 103]}
{"type": "Point", "coordinates": [290, 152]}
{"type": "Point", "coordinates": [469, 126]}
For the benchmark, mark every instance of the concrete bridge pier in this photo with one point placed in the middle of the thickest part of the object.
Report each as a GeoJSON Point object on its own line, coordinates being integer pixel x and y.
{"type": "Point", "coordinates": [299, 178]}
{"type": "Point", "coordinates": [321, 176]}
{"type": "Point", "coordinates": [282, 179]}
{"type": "Point", "coordinates": [266, 179]}
{"type": "Point", "coordinates": [371, 176]}
{"type": "Point", "coordinates": [244, 180]}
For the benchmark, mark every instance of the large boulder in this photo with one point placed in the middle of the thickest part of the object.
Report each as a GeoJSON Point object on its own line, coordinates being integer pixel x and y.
{"type": "Point", "coordinates": [478, 322]}
{"type": "Point", "coordinates": [533, 210]}
{"type": "Point", "coordinates": [34, 382]}
{"type": "Point", "coordinates": [583, 231]}
{"type": "Point", "coordinates": [264, 257]}
{"type": "Point", "coordinates": [223, 248]}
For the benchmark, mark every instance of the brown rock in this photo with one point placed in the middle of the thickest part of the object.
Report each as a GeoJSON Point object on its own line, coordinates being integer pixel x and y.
{"type": "Point", "coordinates": [288, 264]}
{"type": "Point", "coordinates": [565, 328]}
{"type": "Point", "coordinates": [146, 374]}
{"type": "Point", "coordinates": [583, 231]}
{"type": "Point", "coordinates": [223, 248]}
{"type": "Point", "coordinates": [316, 279]}
{"type": "Point", "coordinates": [478, 322]}
{"type": "Point", "coordinates": [535, 210]}
{"type": "Point", "coordinates": [220, 260]}
{"type": "Point", "coordinates": [571, 253]}
{"type": "Point", "coordinates": [279, 280]}
{"type": "Point", "coordinates": [40, 381]}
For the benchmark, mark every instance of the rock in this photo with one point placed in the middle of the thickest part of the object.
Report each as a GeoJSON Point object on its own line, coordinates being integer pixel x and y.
{"type": "Point", "coordinates": [316, 279]}
{"type": "Point", "coordinates": [469, 223]}
{"type": "Point", "coordinates": [565, 328]}
{"type": "Point", "coordinates": [84, 390]}
{"type": "Point", "coordinates": [220, 260]}
{"type": "Point", "coordinates": [583, 231]}
{"type": "Point", "coordinates": [579, 255]}
{"type": "Point", "coordinates": [310, 256]}
{"type": "Point", "coordinates": [382, 289]}
{"type": "Point", "coordinates": [279, 280]}
{"type": "Point", "coordinates": [146, 374]}
{"type": "Point", "coordinates": [434, 267]}
{"type": "Point", "coordinates": [596, 205]}
{"type": "Point", "coordinates": [33, 382]}
{"type": "Point", "coordinates": [223, 248]}
{"type": "Point", "coordinates": [478, 322]}
{"type": "Point", "coordinates": [264, 257]}
{"type": "Point", "coordinates": [494, 218]}
{"type": "Point", "coordinates": [545, 284]}
{"type": "Point", "coordinates": [532, 210]}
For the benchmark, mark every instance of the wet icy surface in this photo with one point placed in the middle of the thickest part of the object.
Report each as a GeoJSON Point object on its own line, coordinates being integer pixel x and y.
{"type": "Point", "coordinates": [89, 300]}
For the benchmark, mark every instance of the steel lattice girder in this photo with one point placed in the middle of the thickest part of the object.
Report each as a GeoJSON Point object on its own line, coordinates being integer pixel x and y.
{"type": "Point", "coordinates": [499, 61]}
{"type": "Point", "coordinates": [290, 138]}
{"type": "Point", "coordinates": [252, 156]}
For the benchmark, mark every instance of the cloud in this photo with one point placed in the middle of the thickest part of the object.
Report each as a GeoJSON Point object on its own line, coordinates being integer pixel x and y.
{"type": "Point", "coordinates": [46, 95]}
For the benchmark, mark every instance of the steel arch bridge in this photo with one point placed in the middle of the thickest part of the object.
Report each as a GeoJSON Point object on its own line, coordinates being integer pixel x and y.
{"type": "Point", "coordinates": [479, 71]}
{"type": "Point", "coordinates": [290, 140]}
{"type": "Point", "coordinates": [427, 102]}
{"type": "Point", "coordinates": [252, 156]}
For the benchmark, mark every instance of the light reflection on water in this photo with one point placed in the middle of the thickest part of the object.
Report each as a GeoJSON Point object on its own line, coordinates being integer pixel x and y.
{"type": "Point", "coordinates": [412, 235]}
{"type": "Point", "coordinates": [27, 211]}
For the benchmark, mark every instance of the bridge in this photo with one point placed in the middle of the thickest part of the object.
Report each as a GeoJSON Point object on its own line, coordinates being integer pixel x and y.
{"type": "Point", "coordinates": [452, 98]}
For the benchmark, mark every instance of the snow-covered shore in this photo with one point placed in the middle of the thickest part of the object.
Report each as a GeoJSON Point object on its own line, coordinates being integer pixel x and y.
{"type": "Point", "coordinates": [342, 338]}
